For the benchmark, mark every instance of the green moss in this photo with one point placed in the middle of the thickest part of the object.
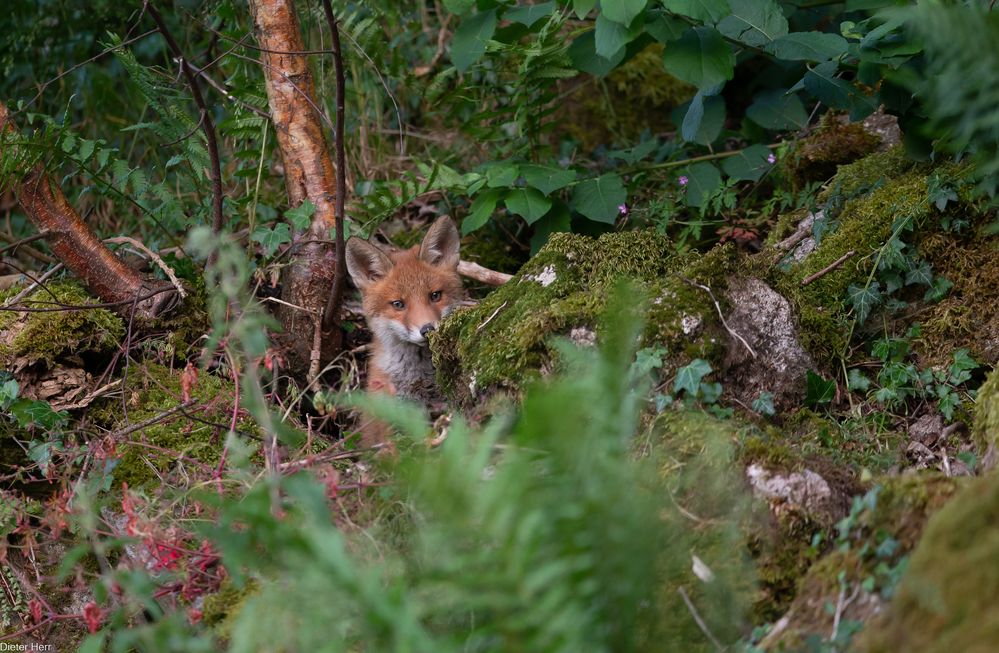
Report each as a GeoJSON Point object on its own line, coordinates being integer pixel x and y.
{"type": "Point", "coordinates": [835, 143]}
{"type": "Point", "coordinates": [906, 502]}
{"type": "Point", "coordinates": [947, 599]}
{"type": "Point", "coordinates": [506, 339]}
{"type": "Point", "coordinates": [43, 336]}
{"type": "Point", "coordinates": [986, 427]}
{"type": "Point", "coordinates": [221, 608]}
{"type": "Point", "coordinates": [868, 171]}
{"type": "Point", "coordinates": [175, 442]}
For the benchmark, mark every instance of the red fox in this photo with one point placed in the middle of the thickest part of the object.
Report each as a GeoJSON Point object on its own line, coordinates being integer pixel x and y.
{"type": "Point", "coordinates": [405, 293]}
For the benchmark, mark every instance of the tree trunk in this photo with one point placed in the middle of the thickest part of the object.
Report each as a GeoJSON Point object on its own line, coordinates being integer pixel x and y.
{"type": "Point", "coordinates": [79, 249]}
{"type": "Point", "coordinates": [309, 175]}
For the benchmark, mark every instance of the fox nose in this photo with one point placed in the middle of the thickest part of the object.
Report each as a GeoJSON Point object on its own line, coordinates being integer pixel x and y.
{"type": "Point", "coordinates": [426, 328]}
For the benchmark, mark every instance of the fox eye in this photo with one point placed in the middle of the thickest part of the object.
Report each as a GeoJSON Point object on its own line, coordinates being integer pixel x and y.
{"type": "Point", "coordinates": [435, 296]}
{"type": "Point", "coordinates": [398, 304]}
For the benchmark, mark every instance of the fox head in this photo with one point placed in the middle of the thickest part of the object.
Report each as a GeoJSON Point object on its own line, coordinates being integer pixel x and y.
{"type": "Point", "coordinates": [407, 292]}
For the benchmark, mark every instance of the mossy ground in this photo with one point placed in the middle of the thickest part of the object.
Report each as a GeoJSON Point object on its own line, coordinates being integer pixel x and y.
{"type": "Point", "coordinates": [986, 426]}
{"type": "Point", "coordinates": [41, 337]}
{"type": "Point", "coordinates": [835, 143]}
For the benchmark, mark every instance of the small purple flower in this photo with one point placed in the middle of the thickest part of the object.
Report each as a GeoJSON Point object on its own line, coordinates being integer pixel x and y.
{"type": "Point", "coordinates": [683, 181]}
{"type": "Point", "coordinates": [771, 159]}
{"type": "Point", "coordinates": [622, 209]}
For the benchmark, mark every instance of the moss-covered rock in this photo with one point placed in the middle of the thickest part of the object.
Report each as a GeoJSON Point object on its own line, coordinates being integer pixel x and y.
{"type": "Point", "coordinates": [836, 142]}
{"type": "Point", "coordinates": [948, 599]}
{"type": "Point", "coordinates": [41, 337]}
{"type": "Point", "coordinates": [986, 427]}
{"type": "Point", "coordinates": [156, 452]}
{"type": "Point", "coordinates": [507, 338]}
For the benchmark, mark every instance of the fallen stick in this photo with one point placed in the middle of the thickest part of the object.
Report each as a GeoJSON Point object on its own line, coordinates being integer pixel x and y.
{"type": "Point", "coordinates": [829, 268]}
{"type": "Point", "coordinates": [481, 274]}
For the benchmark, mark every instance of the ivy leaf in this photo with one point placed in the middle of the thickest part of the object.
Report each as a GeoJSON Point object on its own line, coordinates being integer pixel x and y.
{"type": "Point", "coordinates": [857, 380]}
{"type": "Point", "coordinates": [30, 412]}
{"type": "Point", "coordinates": [748, 165]}
{"type": "Point", "coordinates": [863, 299]}
{"type": "Point", "coordinates": [808, 46]}
{"type": "Point", "coordinates": [547, 179]}
{"type": "Point", "coordinates": [272, 238]}
{"type": "Point", "coordinates": [778, 110]}
{"type": "Point", "coordinates": [529, 14]}
{"type": "Point", "coordinates": [622, 11]}
{"type": "Point", "coordinates": [703, 179]}
{"type": "Point", "coordinates": [818, 390]}
{"type": "Point", "coordinates": [960, 369]}
{"type": "Point", "coordinates": [700, 57]}
{"type": "Point", "coordinates": [706, 11]}
{"type": "Point", "coordinates": [528, 203]}
{"type": "Point", "coordinates": [938, 289]}
{"type": "Point", "coordinates": [482, 208]}
{"type": "Point", "coordinates": [919, 274]}
{"type": "Point", "coordinates": [764, 404]}
{"type": "Point", "coordinates": [584, 57]}
{"type": "Point", "coordinates": [599, 199]}
{"type": "Point", "coordinates": [754, 22]}
{"type": "Point", "coordinates": [301, 216]}
{"type": "Point", "coordinates": [688, 378]}
{"type": "Point", "coordinates": [469, 41]}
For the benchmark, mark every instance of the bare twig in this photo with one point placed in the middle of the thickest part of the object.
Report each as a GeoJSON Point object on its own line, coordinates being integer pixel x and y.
{"type": "Point", "coordinates": [209, 125]}
{"type": "Point", "coordinates": [829, 268]}
{"type": "Point", "coordinates": [733, 332]}
{"type": "Point", "coordinates": [331, 314]}
{"type": "Point", "coordinates": [481, 274]}
{"type": "Point", "coordinates": [490, 318]}
{"type": "Point", "coordinates": [697, 618]}
{"type": "Point", "coordinates": [37, 282]}
{"type": "Point", "coordinates": [155, 419]}
{"type": "Point", "coordinates": [41, 234]}
{"type": "Point", "coordinates": [167, 270]}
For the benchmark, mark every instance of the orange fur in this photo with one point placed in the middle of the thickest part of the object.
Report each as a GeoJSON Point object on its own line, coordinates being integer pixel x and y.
{"type": "Point", "coordinates": [405, 293]}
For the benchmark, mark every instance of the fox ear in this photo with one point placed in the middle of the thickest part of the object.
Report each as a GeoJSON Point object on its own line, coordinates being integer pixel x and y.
{"type": "Point", "coordinates": [366, 263]}
{"type": "Point", "coordinates": [440, 246]}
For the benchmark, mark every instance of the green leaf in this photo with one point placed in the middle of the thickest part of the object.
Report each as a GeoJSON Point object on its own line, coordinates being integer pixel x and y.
{"type": "Point", "coordinates": [8, 392]}
{"type": "Point", "coordinates": [528, 203]}
{"type": "Point", "coordinates": [961, 367]}
{"type": "Point", "coordinates": [688, 378]}
{"type": "Point", "coordinates": [706, 11]}
{"type": "Point", "coordinates": [502, 175]}
{"type": "Point", "coordinates": [938, 290]}
{"type": "Point", "coordinates": [818, 390]}
{"type": "Point", "coordinates": [481, 210]}
{"type": "Point", "coordinates": [700, 57]}
{"type": "Point", "coordinates": [857, 380]}
{"type": "Point", "coordinates": [583, 7]}
{"type": "Point", "coordinates": [529, 14]}
{"type": "Point", "coordinates": [821, 81]}
{"type": "Point", "coordinates": [919, 274]}
{"type": "Point", "coordinates": [611, 37]}
{"type": "Point", "coordinates": [87, 146]}
{"type": "Point", "coordinates": [863, 299]}
{"type": "Point", "coordinates": [272, 238]}
{"type": "Point", "coordinates": [703, 179]}
{"type": "Point", "coordinates": [469, 41]}
{"type": "Point", "coordinates": [301, 216]}
{"type": "Point", "coordinates": [754, 22]}
{"type": "Point", "coordinates": [600, 199]}
{"type": "Point", "coordinates": [459, 6]}
{"type": "Point", "coordinates": [711, 121]}
{"type": "Point", "coordinates": [666, 28]}
{"type": "Point", "coordinates": [584, 57]}
{"type": "Point", "coordinates": [764, 404]}
{"type": "Point", "coordinates": [30, 412]}
{"type": "Point", "coordinates": [558, 219]}
{"type": "Point", "coordinates": [808, 46]}
{"type": "Point", "coordinates": [778, 110]}
{"type": "Point", "coordinates": [547, 179]}
{"type": "Point", "coordinates": [748, 165]}
{"type": "Point", "coordinates": [622, 11]}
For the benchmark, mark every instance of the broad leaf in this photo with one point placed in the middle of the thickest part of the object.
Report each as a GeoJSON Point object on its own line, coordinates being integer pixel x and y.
{"type": "Point", "coordinates": [666, 28]}
{"type": "Point", "coordinates": [584, 57]}
{"type": "Point", "coordinates": [272, 238]}
{"type": "Point", "coordinates": [528, 203]}
{"type": "Point", "coordinates": [821, 81]}
{"type": "Point", "coordinates": [748, 165]}
{"type": "Point", "coordinates": [529, 14]}
{"type": "Point", "coordinates": [482, 208]}
{"type": "Point", "coordinates": [459, 6]}
{"type": "Point", "coordinates": [622, 11]}
{"type": "Point", "coordinates": [600, 199]}
{"type": "Point", "coordinates": [502, 175]}
{"type": "Point", "coordinates": [469, 41]}
{"type": "Point", "coordinates": [818, 390]}
{"type": "Point", "coordinates": [754, 22]}
{"type": "Point", "coordinates": [808, 46]}
{"type": "Point", "coordinates": [919, 274]}
{"type": "Point", "coordinates": [547, 179]}
{"type": "Point", "coordinates": [703, 179]}
{"type": "Point", "coordinates": [583, 7]}
{"type": "Point", "coordinates": [777, 110]}
{"type": "Point", "coordinates": [712, 119]}
{"type": "Point", "coordinates": [864, 299]}
{"type": "Point", "coordinates": [301, 216]}
{"type": "Point", "coordinates": [558, 219]}
{"type": "Point", "coordinates": [700, 57]}
{"type": "Point", "coordinates": [611, 37]}
{"type": "Point", "coordinates": [688, 378]}
{"type": "Point", "coordinates": [706, 11]}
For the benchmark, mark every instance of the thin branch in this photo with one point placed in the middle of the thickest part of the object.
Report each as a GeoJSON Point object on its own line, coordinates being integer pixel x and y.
{"type": "Point", "coordinates": [482, 275]}
{"type": "Point", "coordinates": [732, 331]}
{"type": "Point", "coordinates": [167, 270]}
{"type": "Point", "coordinates": [331, 314]}
{"type": "Point", "coordinates": [697, 618]}
{"type": "Point", "coordinates": [829, 268]}
{"type": "Point", "coordinates": [209, 125]}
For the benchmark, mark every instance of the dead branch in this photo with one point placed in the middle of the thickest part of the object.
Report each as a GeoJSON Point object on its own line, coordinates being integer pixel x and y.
{"type": "Point", "coordinates": [829, 268]}
{"type": "Point", "coordinates": [481, 274]}
{"type": "Point", "coordinates": [77, 246]}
